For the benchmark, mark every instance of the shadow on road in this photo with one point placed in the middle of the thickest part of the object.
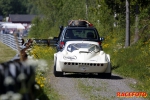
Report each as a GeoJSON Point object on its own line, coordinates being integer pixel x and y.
{"type": "Point", "coordinates": [115, 77]}
{"type": "Point", "coordinates": [75, 75]}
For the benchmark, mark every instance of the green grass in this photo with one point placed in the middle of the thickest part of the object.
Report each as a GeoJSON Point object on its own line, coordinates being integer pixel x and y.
{"type": "Point", "coordinates": [6, 53]}
{"type": "Point", "coordinates": [133, 61]}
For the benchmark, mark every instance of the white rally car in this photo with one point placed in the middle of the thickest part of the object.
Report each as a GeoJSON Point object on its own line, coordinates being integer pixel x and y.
{"type": "Point", "coordinates": [82, 57]}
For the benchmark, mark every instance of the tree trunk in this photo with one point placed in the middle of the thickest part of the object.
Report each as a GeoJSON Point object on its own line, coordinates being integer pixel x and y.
{"type": "Point", "coordinates": [127, 38]}
{"type": "Point", "coordinates": [86, 7]}
{"type": "Point", "coordinates": [136, 36]}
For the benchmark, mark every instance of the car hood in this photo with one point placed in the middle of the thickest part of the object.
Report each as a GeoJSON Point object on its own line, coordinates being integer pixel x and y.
{"type": "Point", "coordinates": [84, 56]}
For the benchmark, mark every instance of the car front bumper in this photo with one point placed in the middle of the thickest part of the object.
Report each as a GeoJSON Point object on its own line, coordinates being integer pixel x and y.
{"type": "Point", "coordinates": [84, 67]}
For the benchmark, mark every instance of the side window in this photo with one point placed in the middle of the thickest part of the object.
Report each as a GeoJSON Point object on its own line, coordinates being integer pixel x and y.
{"type": "Point", "coordinates": [69, 34]}
{"type": "Point", "coordinates": [61, 35]}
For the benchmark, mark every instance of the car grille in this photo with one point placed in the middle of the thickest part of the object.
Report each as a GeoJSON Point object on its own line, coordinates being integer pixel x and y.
{"type": "Point", "coordinates": [88, 64]}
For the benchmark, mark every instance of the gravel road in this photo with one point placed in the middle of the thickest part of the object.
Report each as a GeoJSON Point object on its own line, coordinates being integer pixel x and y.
{"type": "Point", "coordinates": [90, 87]}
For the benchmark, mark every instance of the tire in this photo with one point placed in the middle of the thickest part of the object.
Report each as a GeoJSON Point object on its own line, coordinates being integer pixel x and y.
{"type": "Point", "coordinates": [56, 73]}
{"type": "Point", "coordinates": [104, 75]}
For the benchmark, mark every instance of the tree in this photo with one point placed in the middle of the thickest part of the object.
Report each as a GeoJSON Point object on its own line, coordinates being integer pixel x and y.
{"type": "Point", "coordinates": [118, 7]}
{"type": "Point", "coordinates": [127, 39]}
{"type": "Point", "coordinates": [13, 7]}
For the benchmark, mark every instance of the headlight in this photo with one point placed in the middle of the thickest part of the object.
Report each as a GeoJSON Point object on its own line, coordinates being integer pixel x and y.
{"type": "Point", "coordinates": [70, 57]}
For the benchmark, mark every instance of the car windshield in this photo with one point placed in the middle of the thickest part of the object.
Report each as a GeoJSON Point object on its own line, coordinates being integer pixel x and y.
{"type": "Point", "coordinates": [81, 34]}
{"type": "Point", "coordinates": [77, 46]}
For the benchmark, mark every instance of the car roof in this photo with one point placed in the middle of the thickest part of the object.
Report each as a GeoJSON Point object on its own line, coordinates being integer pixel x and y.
{"type": "Point", "coordinates": [80, 27]}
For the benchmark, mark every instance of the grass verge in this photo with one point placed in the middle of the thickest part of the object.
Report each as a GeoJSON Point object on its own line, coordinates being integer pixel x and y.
{"type": "Point", "coordinates": [133, 61]}
{"type": "Point", "coordinates": [6, 53]}
{"type": "Point", "coordinates": [43, 73]}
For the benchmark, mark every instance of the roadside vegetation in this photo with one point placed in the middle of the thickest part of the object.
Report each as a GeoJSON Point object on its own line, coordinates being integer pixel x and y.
{"type": "Point", "coordinates": [130, 62]}
{"type": "Point", "coordinates": [45, 55]}
{"type": "Point", "coordinates": [6, 53]}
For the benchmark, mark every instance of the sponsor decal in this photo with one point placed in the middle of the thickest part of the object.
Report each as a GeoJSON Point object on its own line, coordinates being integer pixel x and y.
{"type": "Point", "coordinates": [131, 94]}
{"type": "Point", "coordinates": [70, 57]}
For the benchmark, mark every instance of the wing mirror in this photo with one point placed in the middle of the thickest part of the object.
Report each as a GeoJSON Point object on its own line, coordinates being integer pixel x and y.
{"type": "Point", "coordinates": [61, 28]}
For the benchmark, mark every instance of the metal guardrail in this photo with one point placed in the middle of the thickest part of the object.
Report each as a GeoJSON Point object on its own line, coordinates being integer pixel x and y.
{"type": "Point", "coordinates": [11, 40]}
{"type": "Point", "coordinates": [48, 42]}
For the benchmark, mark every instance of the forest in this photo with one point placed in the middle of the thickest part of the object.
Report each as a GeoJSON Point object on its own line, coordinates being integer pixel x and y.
{"type": "Point", "coordinates": [106, 15]}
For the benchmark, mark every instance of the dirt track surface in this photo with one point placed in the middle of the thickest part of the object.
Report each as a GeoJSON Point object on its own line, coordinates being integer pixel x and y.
{"type": "Point", "coordinates": [90, 87]}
